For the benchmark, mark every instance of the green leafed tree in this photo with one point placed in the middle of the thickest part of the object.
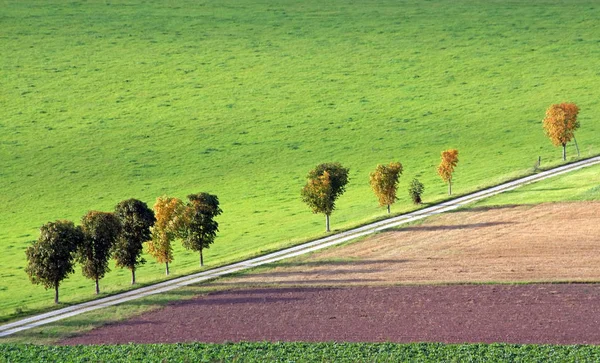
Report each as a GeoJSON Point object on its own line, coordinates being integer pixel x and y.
{"type": "Point", "coordinates": [325, 184]}
{"type": "Point", "coordinates": [384, 181]}
{"type": "Point", "coordinates": [136, 219]}
{"type": "Point", "coordinates": [416, 190]}
{"type": "Point", "coordinates": [168, 225]}
{"type": "Point", "coordinates": [100, 232]}
{"type": "Point", "coordinates": [199, 227]}
{"type": "Point", "coordinates": [51, 258]}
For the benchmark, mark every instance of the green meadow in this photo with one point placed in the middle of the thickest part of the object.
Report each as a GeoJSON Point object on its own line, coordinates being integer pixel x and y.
{"type": "Point", "coordinates": [108, 100]}
{"type": "Point", "coordinates": [581, 185]}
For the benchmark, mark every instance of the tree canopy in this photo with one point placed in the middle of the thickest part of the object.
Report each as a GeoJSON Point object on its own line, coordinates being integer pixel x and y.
{"type": "Point", "coordinates": [447, 165]}
{"type": "Point", "coordinates": [51, 258]}
{"type": "Point", "coordinates": [325, 184]}
{"type": "Point", "coordinates": [100, 231]}
{"type": "Point", "coordinates": [560, 124]}
{"type": "Point", "coordinates": [199, 228]}
{"type": "Point", "coordinates": [415, 191]}
{"type": "Point", "coordinates": [384, 181]}
{"type": "Point", "coordinates": [136, 219]}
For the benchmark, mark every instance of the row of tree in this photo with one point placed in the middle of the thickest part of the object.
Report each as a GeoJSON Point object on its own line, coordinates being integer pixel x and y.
{"type": "Point", "coordinates": [328, 181]}
{"type": "Point", "coordinates": [121, 235]}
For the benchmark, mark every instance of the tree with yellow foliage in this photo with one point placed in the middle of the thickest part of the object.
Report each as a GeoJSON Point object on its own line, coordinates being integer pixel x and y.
{"type": "Point", "coordinates": [169, 218]}
{"type": "Point", "coordinates": [384, 181]}
{"type": "Point", "coordinates": [447, 165]}
{"type": "Point", "coordinates": [560, 124]}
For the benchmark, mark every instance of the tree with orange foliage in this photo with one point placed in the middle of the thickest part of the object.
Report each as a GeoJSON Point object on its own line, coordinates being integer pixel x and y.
{"type": "Point", "coordinates": [560, 124]}
{"type": "Point", "coordinates": [446, 167]}
{"type": "Point", "coordinates": [324, 185]}
{"type": "Point", "coordinates": [168, 212]}
{"type": "Point", "coordinates": [384, 181]}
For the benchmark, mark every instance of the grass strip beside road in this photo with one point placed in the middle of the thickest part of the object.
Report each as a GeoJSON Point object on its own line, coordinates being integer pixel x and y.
{"type": "Point", "coordinates": [55, 332]}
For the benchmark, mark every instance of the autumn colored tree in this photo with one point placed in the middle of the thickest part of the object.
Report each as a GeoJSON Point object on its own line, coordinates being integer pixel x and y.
{"type": "Point", "coordinates": [100, 232]}
{"type": "Point", "coordinates": [447, 165]}
{"type": "Point", "coordinates": [51, 258]}
{"type": "Point", "coordinates": [199, 227]}
{"type": "Point", "coordinates": [416, 190]}
{"type": "Point", "coordinates": [169, 217]}
{"type": "Point", "coordinates": [324, 185]}
{"type": "Point", "coordinates": [384, 181]}
{"type": "Point", "coordinates": [136, 219]}
{"type": "Point", "coordinates": [560, 124]}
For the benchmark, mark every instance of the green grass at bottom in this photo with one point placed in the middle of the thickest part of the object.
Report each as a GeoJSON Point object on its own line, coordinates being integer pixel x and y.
{"type": "Point", "coordinates": [303, 352]}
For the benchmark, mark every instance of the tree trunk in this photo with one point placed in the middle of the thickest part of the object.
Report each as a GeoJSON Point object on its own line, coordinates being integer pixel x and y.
{"type": "Point", "coordinates": [133, 276]}
{"type": "Point", "coordinates": [201, 258]}
{"type": "Point", "coordinates": [564, 152]}
{"type": "Point", "coordinates": [167, 264]}
{"type": "Point", "coordinates": [327, 223]}
{"type": "Point", "coordinates": [576, 146]}
{"type": "Point", "coordinates": [56, 293]}
{"type": "Point", "coordinates": [97, 287]}
{"type": "Point", "coordinates": [388, 209]}
{"type": "Point", "coordinates": [450, 187]}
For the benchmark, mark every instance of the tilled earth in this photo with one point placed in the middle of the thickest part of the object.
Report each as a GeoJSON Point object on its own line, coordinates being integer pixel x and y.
{"type": "Point", "coordinates": [538, 313]}
{"type": "Point", "coordinates": [351, 293]}
{"type": "Point", "coordinates": [552, 242]}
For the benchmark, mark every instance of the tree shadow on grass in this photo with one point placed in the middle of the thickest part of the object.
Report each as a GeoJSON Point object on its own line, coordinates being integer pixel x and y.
{"type": "Point", "coordinates": [232, 288]}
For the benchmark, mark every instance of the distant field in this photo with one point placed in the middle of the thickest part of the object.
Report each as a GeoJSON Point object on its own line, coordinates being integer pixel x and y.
{"type": "Point", "coordinates": [108, 100]}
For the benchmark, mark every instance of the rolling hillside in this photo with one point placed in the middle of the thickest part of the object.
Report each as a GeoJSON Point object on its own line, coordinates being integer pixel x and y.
{"type": "Point", "coordinates": [108, 100]}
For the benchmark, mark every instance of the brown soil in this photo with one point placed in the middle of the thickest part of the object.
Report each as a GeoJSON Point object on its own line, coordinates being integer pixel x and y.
{"type": "Point", "coordinates": [548, 242]}
{"type": "Point", "coordinates": [556, 314]}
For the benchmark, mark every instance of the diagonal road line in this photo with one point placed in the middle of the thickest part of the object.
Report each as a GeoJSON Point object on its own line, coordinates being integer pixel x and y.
{"type": "Point", "coordinates": [56, 315]}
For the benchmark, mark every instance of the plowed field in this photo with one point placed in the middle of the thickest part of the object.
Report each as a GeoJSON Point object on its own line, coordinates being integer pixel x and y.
{"type": "Point", "coordinates": [350, 293]}
{"type": "Point", "coordinates": [543, 243]}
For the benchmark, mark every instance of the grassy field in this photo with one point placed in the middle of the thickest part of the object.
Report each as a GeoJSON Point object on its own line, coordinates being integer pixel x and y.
{"type": "Point", "coordinates": [305, 352]}
{"type": "Point", "coordinates": [583, 185]}
{"type": "Point", "coordinates": [108, 100]}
